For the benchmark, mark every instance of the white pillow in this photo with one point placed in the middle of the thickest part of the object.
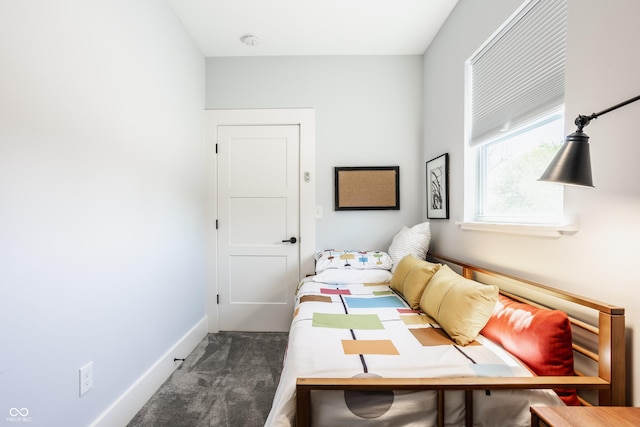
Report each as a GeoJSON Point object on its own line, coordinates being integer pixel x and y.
{"type": "Point", "coordinates": [410, 241]}
{"type": "Point", "coordinates": [335, 275]}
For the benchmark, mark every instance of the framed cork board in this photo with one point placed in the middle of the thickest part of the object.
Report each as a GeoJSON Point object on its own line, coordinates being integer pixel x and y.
{"type": "Point", "coordinates": [367, 188]}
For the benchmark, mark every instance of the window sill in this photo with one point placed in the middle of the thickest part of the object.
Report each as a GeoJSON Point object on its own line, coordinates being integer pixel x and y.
{"type": "Point", "coordinates": [550, 230]}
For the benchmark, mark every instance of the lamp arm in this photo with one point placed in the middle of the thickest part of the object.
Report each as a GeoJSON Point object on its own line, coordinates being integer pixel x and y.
{"type": "Point", "coordinates": [582, 121]}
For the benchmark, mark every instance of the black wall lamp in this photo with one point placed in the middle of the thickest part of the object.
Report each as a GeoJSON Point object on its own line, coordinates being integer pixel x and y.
{"type": "Point", "coordinates": [572, 164]}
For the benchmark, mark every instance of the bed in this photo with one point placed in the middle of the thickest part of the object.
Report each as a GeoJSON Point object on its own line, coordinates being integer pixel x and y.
{"type": "Point", "coordinates": [366, 350]}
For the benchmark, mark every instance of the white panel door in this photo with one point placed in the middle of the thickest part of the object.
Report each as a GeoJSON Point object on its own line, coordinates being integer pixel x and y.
{"type": "Point", "coordinates": [258, 226]}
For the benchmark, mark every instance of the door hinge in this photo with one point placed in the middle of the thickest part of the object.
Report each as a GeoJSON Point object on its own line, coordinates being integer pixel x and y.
{"type": "Point", "coordinates": [218, 299]}
{"type": "Point", "coordinates": [216, 148]}
{"type": "Point", "coordinates": [216, 224]}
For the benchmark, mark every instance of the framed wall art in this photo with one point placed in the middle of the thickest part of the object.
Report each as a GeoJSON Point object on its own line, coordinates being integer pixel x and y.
{"type": "Point", "coordinates": [438, 187]}
{"type": "Point", "coordinates": [367, 188]}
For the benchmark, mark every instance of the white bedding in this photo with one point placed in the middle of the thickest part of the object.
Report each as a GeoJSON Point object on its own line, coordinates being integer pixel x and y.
{"type": "Point", "coordinates": [320, 336]}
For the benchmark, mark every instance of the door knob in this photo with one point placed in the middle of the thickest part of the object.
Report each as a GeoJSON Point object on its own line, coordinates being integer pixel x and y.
{"type": "Point", "coordinates": [291, 240]}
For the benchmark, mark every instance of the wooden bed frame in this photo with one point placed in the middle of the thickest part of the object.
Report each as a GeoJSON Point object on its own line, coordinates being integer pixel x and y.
{"type": "Point", "coordinates": [606, 330]}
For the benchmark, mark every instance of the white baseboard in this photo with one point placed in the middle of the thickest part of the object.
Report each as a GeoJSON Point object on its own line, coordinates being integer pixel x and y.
{"type": "Point", "coordinates": [122, 411]}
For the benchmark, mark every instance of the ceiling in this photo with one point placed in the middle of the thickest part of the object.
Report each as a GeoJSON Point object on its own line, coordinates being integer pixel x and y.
{"type": "Point", "coordinates": [313, 27]}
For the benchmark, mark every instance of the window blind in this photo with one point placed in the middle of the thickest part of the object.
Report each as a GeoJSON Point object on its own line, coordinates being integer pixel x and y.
{"type": "Point", "coordinates": [517, 76]}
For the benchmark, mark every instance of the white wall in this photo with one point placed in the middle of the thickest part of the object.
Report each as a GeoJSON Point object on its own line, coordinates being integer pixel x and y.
{"type": "Point", "coordinates": [602, 70]}
{"type": "Point", "coordinates": [367, 114]}
{"type": "Point", "coordinates": [101, 199]}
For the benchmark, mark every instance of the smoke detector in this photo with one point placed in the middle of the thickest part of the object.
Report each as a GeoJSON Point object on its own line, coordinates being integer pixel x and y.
{"type": "Point", "coordinates": [249, 40]}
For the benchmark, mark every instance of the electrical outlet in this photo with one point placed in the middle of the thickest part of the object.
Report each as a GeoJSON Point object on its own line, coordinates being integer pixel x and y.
{"type": "Point", "coordinates": [86, 378]}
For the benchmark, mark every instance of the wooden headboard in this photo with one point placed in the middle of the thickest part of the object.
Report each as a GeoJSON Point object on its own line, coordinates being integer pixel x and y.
{"type": "Point", "coordinates": [598, 343]}
{"type": "Point", "coordinates": [606, 330]}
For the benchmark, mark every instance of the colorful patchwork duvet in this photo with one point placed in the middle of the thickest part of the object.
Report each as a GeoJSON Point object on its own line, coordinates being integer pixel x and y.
{"type": "Point", "coordinates": [366, 329]}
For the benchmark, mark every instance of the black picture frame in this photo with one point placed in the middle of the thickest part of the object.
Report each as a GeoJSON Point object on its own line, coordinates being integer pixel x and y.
{"type": "Point", "coordinates": [437, 174]}
{"type": "Point", "coordinates": [367, 188]}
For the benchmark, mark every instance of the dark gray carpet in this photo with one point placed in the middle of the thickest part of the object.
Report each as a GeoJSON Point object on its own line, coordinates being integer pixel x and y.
{"type": "Point", "coordinates": [227, 381]}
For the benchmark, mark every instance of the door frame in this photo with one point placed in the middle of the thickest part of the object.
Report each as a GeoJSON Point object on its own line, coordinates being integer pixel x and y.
{"type": "Point", "coordinates": [303, 117]}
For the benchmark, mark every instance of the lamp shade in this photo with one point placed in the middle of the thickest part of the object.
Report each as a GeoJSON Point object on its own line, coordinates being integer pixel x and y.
{"type": "Point", "coordinates": [572, 164]}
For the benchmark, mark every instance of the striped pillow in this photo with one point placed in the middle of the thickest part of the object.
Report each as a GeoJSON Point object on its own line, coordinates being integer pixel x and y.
{"type": "Point", "coordinates": [410, 241]}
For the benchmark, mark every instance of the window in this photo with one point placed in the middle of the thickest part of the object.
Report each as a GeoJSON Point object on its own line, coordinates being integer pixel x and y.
{"type": "Point", "coordinates": [509, 168]}
{"type": "Point", "coordinates": [515, 117]}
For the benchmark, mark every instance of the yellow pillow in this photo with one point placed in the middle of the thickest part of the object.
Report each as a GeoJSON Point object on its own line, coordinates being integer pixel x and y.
{"type": "Point", "coordinates": [461, 306]}
{"type": "Point", "coordinates": [416, 282]}
{"type": "Point", "coordinates": [400, 272]}
{"type": "Point", "coordinates": [411, 277]}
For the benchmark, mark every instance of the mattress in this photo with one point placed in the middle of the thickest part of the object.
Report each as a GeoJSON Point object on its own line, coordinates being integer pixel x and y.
{"type": "Point", "coordinates": [357, 329]}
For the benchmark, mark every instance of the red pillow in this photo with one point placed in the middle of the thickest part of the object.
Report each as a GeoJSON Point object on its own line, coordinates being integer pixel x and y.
{"type": "Point", "coordinates": [539, 337]}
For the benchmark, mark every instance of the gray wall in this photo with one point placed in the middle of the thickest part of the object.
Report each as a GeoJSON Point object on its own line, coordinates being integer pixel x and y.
{"type": "Point", "coordinates": [602, 70]}
{"type": "Point", "coordinates": [367, 114]}
{"type": "Point", "coordinates": [101, 199]}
